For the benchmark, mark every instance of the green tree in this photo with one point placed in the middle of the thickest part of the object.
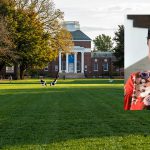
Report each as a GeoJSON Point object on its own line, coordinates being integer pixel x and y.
{"type": "Point", "coordinates": [7, 53]}
{"type": "Point", "coordinates": [37, 33]}
{"type": "Point", "coordinates": [37, 47]}
{"type": "Point", "coordinates": [29, 40]}
{"type": "Point", "coordinates": [46, 11]}
{"type": "Point", "coordinates": [103, 43]}
{"type": "Point", "coordinates": [6, 44]}
{"type": "Point", "coordinates": [119, 48]}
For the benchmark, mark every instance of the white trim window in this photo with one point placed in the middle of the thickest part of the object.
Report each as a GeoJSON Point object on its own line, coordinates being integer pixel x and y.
{"type": "Point", "coordinates": [95, 66]}
{"type": "Point", "coordinates": [85, 68]}
{"type": "Point", "coordinates": [56, 67]}
{"type": "Point", "coordinates": [63, 66]}
{"type": "Point", "coordinates": [9, 69]}
{"type": "Point", "coordinates": [105, 67]}
{"type": "Point", "coordinates": [78, 66]}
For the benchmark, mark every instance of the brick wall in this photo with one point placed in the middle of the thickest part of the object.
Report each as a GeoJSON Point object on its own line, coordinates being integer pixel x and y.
{"type": "Point", "coordinates": [100, 71]}
{"type": "Point", "coordinates": [51, 68]}
{"type": "Point", "coordinates": [86, 44]}
{"type": "Point", "coordinates": [87, 61]}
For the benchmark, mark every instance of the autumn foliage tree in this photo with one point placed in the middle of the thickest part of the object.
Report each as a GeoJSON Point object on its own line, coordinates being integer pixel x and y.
{"type": "Point", "coordinates": [7, 54]}
{"type": "Point", "coordinates": [36, 30]}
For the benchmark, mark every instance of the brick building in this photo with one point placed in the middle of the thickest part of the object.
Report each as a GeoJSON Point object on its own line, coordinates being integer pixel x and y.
{"type": "Point", "coordinates": [81, 62]}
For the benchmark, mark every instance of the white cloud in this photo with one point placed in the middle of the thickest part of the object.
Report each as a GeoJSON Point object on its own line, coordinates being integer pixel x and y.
{"type": "Point", "coordinates": [92, 28]}
{"type": "Point", "coordinates": [99, 16]}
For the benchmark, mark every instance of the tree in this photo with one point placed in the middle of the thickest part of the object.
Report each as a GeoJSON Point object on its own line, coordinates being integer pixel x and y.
{"type": "Point", "coordinates": [103, 43]}
{"type": "Point", "coordinates": [46, 11]}
{"type": "Point", "coordinates": [37, 47]}
{"type": "Point", "coordinates": [119, 48]}
{"type": "Point", "coordinates": [37, 33]}
{"type": "Point", "coordinates": [6, 44]}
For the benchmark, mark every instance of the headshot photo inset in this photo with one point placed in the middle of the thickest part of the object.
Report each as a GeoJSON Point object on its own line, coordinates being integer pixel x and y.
{"type": "Point", "coordinates": [137, 62]}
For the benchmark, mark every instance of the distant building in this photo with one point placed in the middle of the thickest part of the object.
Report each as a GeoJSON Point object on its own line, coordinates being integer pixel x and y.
{"type": "Point", "coordinates": [81, 62]}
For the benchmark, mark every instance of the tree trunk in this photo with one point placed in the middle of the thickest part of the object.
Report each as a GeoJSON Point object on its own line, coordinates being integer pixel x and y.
{"type": "Point", "coordinates": [119, 72]}
{"type": "Point", "coordinates": [22, 71]}
{"type": "Point", "coordinates": [16, 71]}
{"type": "Point", "coordinates": [2, 64]}
{"type": "Point", "coordinates": [110, 68]}
{"type": "Point", "coordinates": [2, 70]}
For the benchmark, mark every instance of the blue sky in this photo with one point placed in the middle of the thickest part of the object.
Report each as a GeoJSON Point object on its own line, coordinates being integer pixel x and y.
{"type": "Point", "coordinates": [100, 16]}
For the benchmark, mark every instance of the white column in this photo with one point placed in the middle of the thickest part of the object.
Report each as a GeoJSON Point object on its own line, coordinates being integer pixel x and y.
{"type": "Point", "coordinates": [75, 62]}
{"type": "Point", "coordinates": [66, 62]}
{"type": "Point", "coordinates": [82, 62]}
{"type": "Point", "coordinates": [60, 62]}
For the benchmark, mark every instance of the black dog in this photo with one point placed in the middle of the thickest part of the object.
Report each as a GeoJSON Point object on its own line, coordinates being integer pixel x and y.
{"type": "Point", "coordinates": [55, 81]}
{"type": "Point", "coordinates": [43, 82]}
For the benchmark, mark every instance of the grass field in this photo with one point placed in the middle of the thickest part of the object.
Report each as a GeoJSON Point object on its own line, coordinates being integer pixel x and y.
{"type": "Point", "coordinates": [76, 114]}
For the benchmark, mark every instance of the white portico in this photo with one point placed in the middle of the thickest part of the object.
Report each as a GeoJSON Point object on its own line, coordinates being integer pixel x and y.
{"type": "Point", "coordinates": [72, 63]}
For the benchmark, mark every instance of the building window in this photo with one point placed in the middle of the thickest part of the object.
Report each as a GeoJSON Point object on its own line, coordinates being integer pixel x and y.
{"type": "Point", "coordinates": [95, 60]}
{"type": "Point", "coordinates": [56, 67]}
{"type": "Point", "coordinates": [117, 69]}
{"type": "Point", "coordinates": [10, 69]}
{"type": "Point", "coordinates": [85, 68]}
{"type": "Point", "coordinates": [78, 66]}
{"type": "Point", "coordinates": [63, 66]}
{"type": "Point", "coordinates": [71, 58]}
{"type": "Point", "coordinates": [105, 67]}
{"type": "Point", "coordinates": [95, 66]}
{"type": "Point", "coordinates": [46, 68]}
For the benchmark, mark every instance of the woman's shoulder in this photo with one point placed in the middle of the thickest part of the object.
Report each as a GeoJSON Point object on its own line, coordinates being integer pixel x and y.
{"type": "Point", "coordinates": [132, 77]}
{"type": "Point", "coordinates": [135, 74]}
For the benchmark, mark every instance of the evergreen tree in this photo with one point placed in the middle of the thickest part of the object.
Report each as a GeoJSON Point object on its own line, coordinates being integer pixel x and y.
{"type": "Point", "coordinates": [119, 48]}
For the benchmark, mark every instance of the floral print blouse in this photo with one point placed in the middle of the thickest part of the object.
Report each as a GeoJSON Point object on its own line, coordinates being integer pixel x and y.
{"type": "Point", "coordinates": [137, 91]}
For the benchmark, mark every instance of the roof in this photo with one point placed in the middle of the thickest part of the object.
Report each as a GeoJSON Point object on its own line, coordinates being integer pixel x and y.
{"type": "Point", "coordinates": [79, 35]}
{"type": "Point", "coordinates": [100, 54]}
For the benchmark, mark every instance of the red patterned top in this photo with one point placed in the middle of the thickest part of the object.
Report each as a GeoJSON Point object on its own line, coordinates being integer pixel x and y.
{"type": "Point", "coordinates": [137, 91]}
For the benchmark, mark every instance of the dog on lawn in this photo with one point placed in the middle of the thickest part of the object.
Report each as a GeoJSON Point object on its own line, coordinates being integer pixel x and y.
{"type": "Point", "coordinates": [43, 82]}
{"type": "Point", "coordinates": [55, 81]}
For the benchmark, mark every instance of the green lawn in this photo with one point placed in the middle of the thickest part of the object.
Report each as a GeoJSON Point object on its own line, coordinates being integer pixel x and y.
{"type": "Point", "coordinates": [76, 114]}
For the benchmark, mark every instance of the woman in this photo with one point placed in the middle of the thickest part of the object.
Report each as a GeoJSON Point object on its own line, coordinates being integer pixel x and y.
{"type": "Point", "coordinates": [137, 88]}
